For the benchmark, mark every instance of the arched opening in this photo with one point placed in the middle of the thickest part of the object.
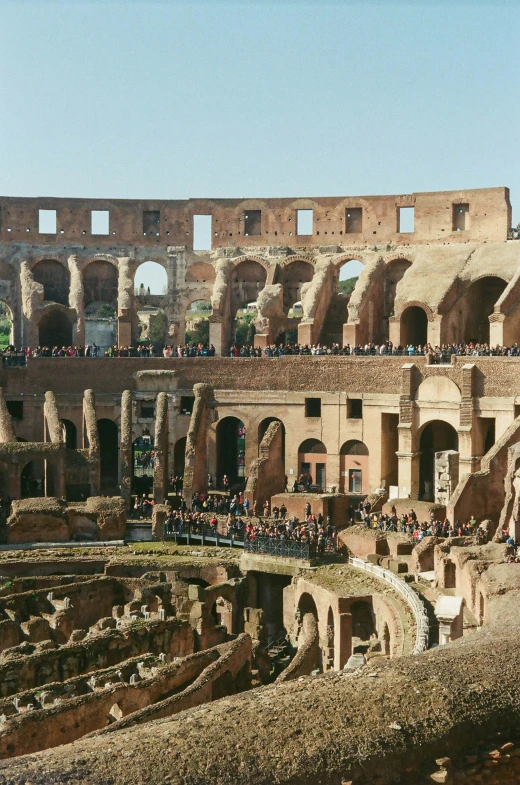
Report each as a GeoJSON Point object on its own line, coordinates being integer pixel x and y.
{"type": "Point", "coordinates": [6, 326]}
{"type": "Point", "coordinates": [109, 453]}
{"type": "Point", "coordinates": [100, 283]}
{"type": "Point", "coordinates": [307, 609]}
{"type": "Point", "coordinates": [55, 279]}
{"type": "Point", "coordinates": [262, 429]}
{"type": "Point", "coordinates": [363, 623]}
{"type": "Point", "coordinates": [480, 299]}
{"type": "Point", "coordinates": [32, 480]}
{"type": "Point", "coordinates": [55, 329]}
{"type": "Point", "coordinates": [329, 657]}
{"type": "Point", "coordinates": [450, 575]}
{"type": "Point", "coordinates": [100, 326]}
{"type": "Point", "coordinates": [437, 436]}
{"type": "Point", "coordinates": [143, 461]}
{"type": "Point", "coordinates": [393, 273]}
{"type": "Point", "coordinates": [197, 323]}
{"type": "Point", "coordinates": [292, 278]}
{"type": "Point", "coordinates": [247, 281]}
{"type": "Point", "coordinates": [312, 464]}
{"type": "Point", "coordinates": [354, 467]}
{"type": "Point", "coordinates": [414, 326]}
{"type": "Point", "coordinates": [179, 455]}
{"type": "Point", "coordinates": [70, 433]}
{"type": "Point", "coordinates": [231, 451]}
{"type": "Point", "coordinates": [346, 277]}
{"type": "Point", "coordinates": [150, 280]}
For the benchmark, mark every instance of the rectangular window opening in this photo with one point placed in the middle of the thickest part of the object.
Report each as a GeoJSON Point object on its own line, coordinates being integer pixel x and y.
{"type": "Point", "coordinates": [252, 223]}
{"type": "Point", "coordinates": [202, 232]}
{"type": "Point", "coordinates": [47, 221]}
{"type": "Point", "coordinates": [406, 220]}
{"type": "Point", "coordinates": [99, 222]}
{"type": "Point", "coordinates": [460, 217]}
{"type": "Point", "coordinates": [187, 402]}
{"type": "Point", "coordinates": [355, 409]}
{"type": "Point", "coordinates": [151, 221]}
{"type": "Point", "coordinates": [354, 220]}
{"type": "Point", "coordinates": [15, 409]}
{"type": "Point", "coordinates": [147, 411]}
{"type": "Point", "coordinates": [313, 407]}
{"type": "Point", "coordinates": [304, 222]}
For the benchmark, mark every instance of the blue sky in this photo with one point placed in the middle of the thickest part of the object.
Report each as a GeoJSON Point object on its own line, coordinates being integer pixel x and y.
{"type": "Point", "coordinates": [233, 99]}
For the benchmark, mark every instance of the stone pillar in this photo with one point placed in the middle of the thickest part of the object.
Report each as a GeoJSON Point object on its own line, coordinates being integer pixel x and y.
{"type": "Point", "coordinates": [446, 475]}
{"type": "Point", "coordinates": [160, 470]}
{"type": "Point", "coordinates": [343, 646]}
{"type": "Point", "coordinates": [496, 329]}
{"type": "Point", "coordinates": [333, 471]}
{"type": "Point", "coordinates": [408, 473]}
{"type": "Point", "coordinates": [217, 335]}
{"type": "Point", "coordinates": [125, 448]}
{"type": "Point", "coordinates": [77, 300]}
{"type": "Point", "coordinates": [449, 612]}
{"type": "Point", "coordinates": [434, 330]}
{"type": "Point", "coordinates": [305, 333]}
{"type": "Point", "coordinates": [125, 302]}
{"type": "Point", "coordinates": [350, 333]}
{"type": "Point", "coordinates": [394, 330]}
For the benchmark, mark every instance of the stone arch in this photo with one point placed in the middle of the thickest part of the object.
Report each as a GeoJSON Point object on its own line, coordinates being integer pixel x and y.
{"type": "Point", "coordinates": [151, 275]}
{"type": "Point", "coordinates": [292, 276]}
{"type": "Point", "coordinates": [108, 436]}
{"type": "Point", "coordinates": [354, 466]}
{"type": "Point", "coordinates": [438, 388]}
{"type": "Point", "coordinates": [54, 328]}
{"type": "Point", "coordinates": [434, 436]}
{"type": "Point", "coordinates": [312, 462]}
{"type": "Point", "coordinates": [100, 282]}
{"type": "Point", "coordinates": [32, 479]}
{"type": "Point", "coordinates": [54, 276]}
{"type": "Point", "coordinates": [264, 424]}
{"type": "Point", "coordinates": [347, 270]}
{"type": "Point", "coordinates": [450, 574]}
{"type": "Point", "coordinates": [481, 296]}
{"type": "Point", "coordinates": [414, 325]}
{"type": "Point", "coordinates": [248, 278]}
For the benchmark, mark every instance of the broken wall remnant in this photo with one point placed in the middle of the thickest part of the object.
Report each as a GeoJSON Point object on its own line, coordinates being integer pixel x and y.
{"type": "Point", "coordinates": [266, 476]}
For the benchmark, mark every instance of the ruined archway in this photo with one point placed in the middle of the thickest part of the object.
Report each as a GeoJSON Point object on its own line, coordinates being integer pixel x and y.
{"type": "Point", "coordinates": [179, 455]}
{"type": "Point", "coordinates": [231, 450]}
{"type": "Point", "coordinates": [394, 272]}
{"type": "Point", "coordinates": [414, 326]}
{"type": "Point", "coordinates": [292, 277]}
{"type": "Point", "coordinates": [32, 479]}
{"type": "Point", "coordinates": [197, 322]}
{"type": "Point", "coordinates": [346, 275]}
{"type": "Point", "coordinates": [354, 467]}
{"type": "Point", "coordinates": [247, 281]}
{"type": "Point", "coordinates": [55, 329]}
{"type": "Point", "coordinates": [108, 452]}
{"type": "Point", "coordinates": [150, 280]}
{"type": "Point", "coordinates": [100, 283]}
{"type": "Point", "coordinates": [70, 434]}
{"type": "Point", "coordinates": [363, 622]}
{"type": "Point", "coordinates": [312, 463]}
{"type": "Point", "coordinates": [480, 303]}
{"type": "Point", "coordinates": [436, 436]}
{"type": "Point", "coordinates": [262, 430]}
{"type": "Point", "coordinates": [55, 279]}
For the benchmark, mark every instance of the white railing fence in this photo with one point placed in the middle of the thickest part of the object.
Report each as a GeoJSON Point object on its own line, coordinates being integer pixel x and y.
{"type": "Point", "coordinates": [421, 618]}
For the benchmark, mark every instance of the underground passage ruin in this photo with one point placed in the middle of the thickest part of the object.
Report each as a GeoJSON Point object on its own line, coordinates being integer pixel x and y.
{"type": "Point", "coordinates": [193, 664]}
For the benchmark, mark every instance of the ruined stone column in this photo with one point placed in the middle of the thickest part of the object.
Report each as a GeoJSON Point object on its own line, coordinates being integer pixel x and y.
{"type": "Point", "coordinates": [76, 300]}
{"type": "Point", "coordinates": [195, 465]}
{"type": "Point", "coordinates": [89, 414]}
{"type": "Point", "coordinates": [160, 469]}
{"type": "Point", "coordinates": [125, 302]}
{"type": "Point", "coordinates": [32, 299]}
{"type": "Point", "coordinates": [125, 448]}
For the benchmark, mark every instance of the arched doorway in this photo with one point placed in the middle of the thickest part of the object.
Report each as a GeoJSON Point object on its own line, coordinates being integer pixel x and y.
{"type": "Point", "coordinates": [480, 299]}
{"type": "Point", "coordinates": [100, 283]}
{"type": "Point", "coordinates": [437, 436]}
{"type": "Point", "coordinates": [109, 453]}
{"type": "Point", "coordinates": [55, 279]}
{"type": "Point", "coordinates": [143, 461]}
{"type": "Point", "coordinates": [70, 433]}
{"type": "Point", "coordinates": [346, 277]}
{"type": "Point", "coordinates": [354, 467]}
{"type": "Point", "coordinates": [363, 622]}
{"type": "Point", "coordinates": [312, 463]}
{"type": "Point", "coordinates": [292, 278]}
{"type": "Point", "coordinates": [32, 480]}
{"type": "Point", "coordinates": [150, 279]}
{"type": "Point", "coordinates": [414, 326]}
{"type": "Point", "coordinates": [262, 429]}
{"type": "Point", "coordinates": [55, 329]}
{"type": "Point", "coordinates": [231, 450]}
{"type": "Point", "coordinates": [179, 455]}
{"type": "Point", "coordinates": [247, 281]}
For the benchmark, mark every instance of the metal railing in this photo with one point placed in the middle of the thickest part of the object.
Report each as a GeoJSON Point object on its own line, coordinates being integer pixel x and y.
{"type": "Point", "coordinates": [204, 533]}
{"type": "Point", "coordinates": [421, 618]}
{"type": "Point", "coordinates": [272, 547]}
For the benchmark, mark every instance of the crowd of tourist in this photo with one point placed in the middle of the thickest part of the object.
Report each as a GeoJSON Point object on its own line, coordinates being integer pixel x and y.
{"type": "Point", "coordinates": [436, 353]}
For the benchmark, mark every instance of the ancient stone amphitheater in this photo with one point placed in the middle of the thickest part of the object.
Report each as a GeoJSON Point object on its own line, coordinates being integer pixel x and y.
{"type": "Point", "coordinates": [131, 652]}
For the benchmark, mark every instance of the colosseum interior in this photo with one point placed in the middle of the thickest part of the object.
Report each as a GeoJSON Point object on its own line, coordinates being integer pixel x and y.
{"type": "Point", "coordinates": [134, 649]}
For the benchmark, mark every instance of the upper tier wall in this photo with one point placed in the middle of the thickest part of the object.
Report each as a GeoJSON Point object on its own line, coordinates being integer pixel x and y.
{"type": "Point", "coordinates": [484, 215]}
